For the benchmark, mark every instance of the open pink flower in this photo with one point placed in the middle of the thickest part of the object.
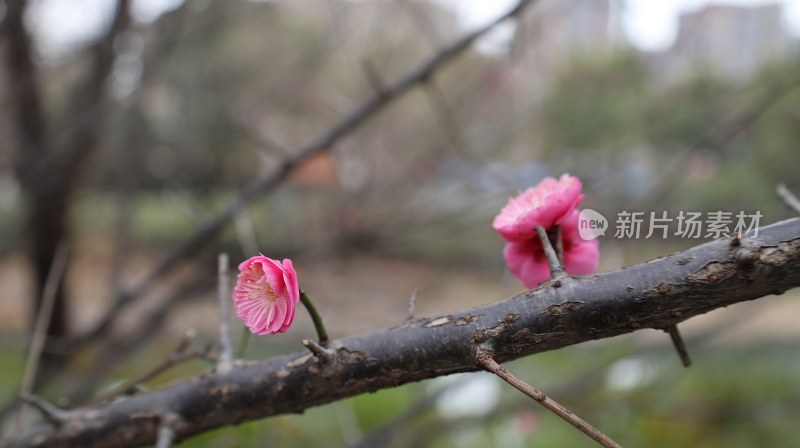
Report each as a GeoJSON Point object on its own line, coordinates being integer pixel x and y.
{"type": "Point", "coordinates": [266, 294]}
{"type": "Point", "coordinates": [550, 203]}
{"type": "Point", "coordinates": [546, 205]}
{"type": "Point", "coordinates": [526, 259]}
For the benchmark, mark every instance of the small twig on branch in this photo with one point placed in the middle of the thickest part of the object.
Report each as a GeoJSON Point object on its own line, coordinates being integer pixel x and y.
{"type": "Point", "coordinates": [373, 76]}
{"type": "Point", "coordinates": [788, 198]}
{"type": "Point", "coordinates": [447, 119]}
{"type": "Point", "coordinates": [412, 304]}
{"type": "Point", "coordinates": [577, 386]}
{"type": "Point", "coordinates": [325, 355]}
{"type": "Point", "coordinates": [40, 329]}
{"type": "Point", "coordinates": [165, 435]}
{"type": "Point", "coordinates": [486, 360]}
{"type": "Point", "coordinates": [680, 346]}
{"type": "Point", "coordinates": [184, 343]}
{"type": "Point", "coordinates": [246, 233]}
{"type": "Point", "coordinates": [55, 416]}
{"type": "Point", "coordinates": [556, 271]}
{"type": "Point", "coordinates": [269, 145]}
{"type": "Point", "coordinates": [43, 320]}
{"type": "Point", "coordinates": [424, 23]}
{"type": "Point", "coordinates": [225, 361]}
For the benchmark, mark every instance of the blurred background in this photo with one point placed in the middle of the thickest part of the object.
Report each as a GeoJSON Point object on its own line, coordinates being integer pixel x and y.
{"type": "Point", "coordinates": [126, 125]}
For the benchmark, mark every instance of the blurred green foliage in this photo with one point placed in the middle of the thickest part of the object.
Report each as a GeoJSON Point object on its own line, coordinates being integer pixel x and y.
{"type": "Point", "coordinates": [684, 114]}
{"type": "Point", "coordinates": [734, 142]}
{"type": "Point", "coordinates": [597, 101]}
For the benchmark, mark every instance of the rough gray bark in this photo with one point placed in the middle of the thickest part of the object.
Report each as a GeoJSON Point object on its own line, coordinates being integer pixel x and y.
{"type": "Point", "coordinates": [656, 294]}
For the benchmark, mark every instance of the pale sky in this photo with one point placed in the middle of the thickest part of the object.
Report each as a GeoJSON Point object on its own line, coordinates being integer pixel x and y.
{"type": "Point", "coordinates": [653, 24]}
{"type": "Point", "coordinates": [648, 24]}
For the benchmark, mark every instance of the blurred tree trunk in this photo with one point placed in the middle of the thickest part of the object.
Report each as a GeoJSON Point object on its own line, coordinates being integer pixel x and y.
{"type": "Point", "coordinates": [48, 165]}
{"type": "Point", "coordinates": [45, 222]}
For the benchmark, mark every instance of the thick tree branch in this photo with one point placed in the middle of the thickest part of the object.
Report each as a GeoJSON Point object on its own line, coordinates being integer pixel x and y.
{"type": "Point", "coordinates": [657, 294]}
{"type": "Point", "coordinates": [269, 181]}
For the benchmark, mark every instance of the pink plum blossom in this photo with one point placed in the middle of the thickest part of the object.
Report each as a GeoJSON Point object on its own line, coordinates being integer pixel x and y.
{"type": "Point", "coordinates": [551, 203]}
{"type": "Point", "coordinates": [546, 205]}
{"type": "Point", "coordinates": [266, 294]}
{"type": "Point", "coordinates": [526, 259]}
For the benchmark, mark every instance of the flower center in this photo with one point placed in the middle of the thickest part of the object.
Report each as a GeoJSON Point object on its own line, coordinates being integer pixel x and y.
{"type": "Point", "coordinates": [268, 293]}
{"type": "Point", "coordinates": [258, 288]}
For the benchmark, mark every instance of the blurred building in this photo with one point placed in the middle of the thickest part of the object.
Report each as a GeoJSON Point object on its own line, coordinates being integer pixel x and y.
{"type": "Point", "coordinates": [726, 41]}
{"type": "Point", "coordinates": [550, 34]}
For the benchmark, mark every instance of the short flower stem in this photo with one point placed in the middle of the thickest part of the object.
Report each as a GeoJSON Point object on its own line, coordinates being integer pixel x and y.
{"type": "Point", "coordinates": [556, 270]}
{"type": "Point", "coordinates": [241, 349]}
{"type": "Point", "coordinates": [316, 318]}
{"type": "Point", "coordinates": [554, 235]}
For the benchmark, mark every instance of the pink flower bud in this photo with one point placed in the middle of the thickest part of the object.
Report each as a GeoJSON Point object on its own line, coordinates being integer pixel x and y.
{"type": "Point", "coordinates": [266, 294]}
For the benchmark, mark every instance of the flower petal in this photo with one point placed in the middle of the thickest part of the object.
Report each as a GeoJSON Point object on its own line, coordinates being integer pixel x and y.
{"type": "Point", "coordinates": [290, 280]}
{"type": "Point", "coordinates": [580, 256]}
{"type": "Point", "coordinates": [544, 205]}
{"type": "Point", "coordinates": [526, 262]}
